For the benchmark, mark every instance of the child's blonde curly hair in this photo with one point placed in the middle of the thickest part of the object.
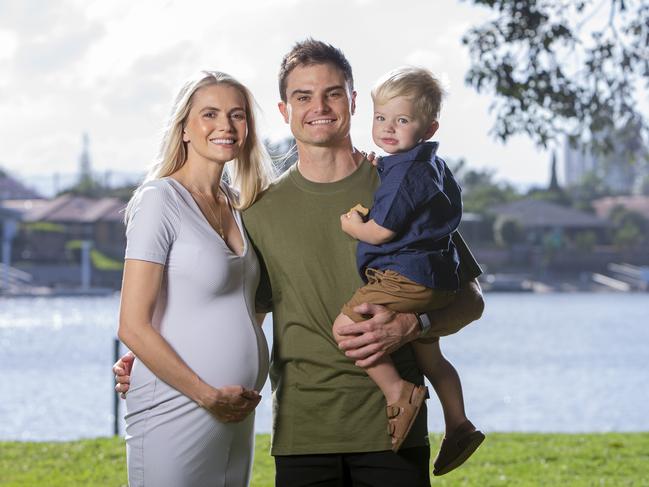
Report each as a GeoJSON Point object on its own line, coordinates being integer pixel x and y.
{"type": "Point", "coordinates": [419, 84]}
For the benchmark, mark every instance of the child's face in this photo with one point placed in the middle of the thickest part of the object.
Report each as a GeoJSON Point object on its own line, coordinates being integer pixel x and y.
{"type": "Point", "coordinates": [397, 128]}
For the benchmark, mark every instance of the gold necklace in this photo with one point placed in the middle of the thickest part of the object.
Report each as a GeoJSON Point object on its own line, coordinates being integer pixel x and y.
{"type": "Point", "coordinates": [206, 202]}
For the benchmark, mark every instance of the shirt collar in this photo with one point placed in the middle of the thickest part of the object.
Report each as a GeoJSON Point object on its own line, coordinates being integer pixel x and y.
{"type": "Point", "coordinates": [425, 151]}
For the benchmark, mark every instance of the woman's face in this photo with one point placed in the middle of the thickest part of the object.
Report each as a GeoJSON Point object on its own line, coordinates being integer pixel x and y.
{"type": "Point", "coordinates": [216, 127]}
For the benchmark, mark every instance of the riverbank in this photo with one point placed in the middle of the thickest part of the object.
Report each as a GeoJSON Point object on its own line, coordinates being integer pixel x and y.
{"type": "Point", "coordinates": [535, 362]}
{"type": "Point", "coordinates": [519, 459]}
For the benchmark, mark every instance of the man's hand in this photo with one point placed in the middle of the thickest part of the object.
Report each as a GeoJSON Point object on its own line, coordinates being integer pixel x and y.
{"type": "Point", "coordinates": [382, 334]}
{"type": "Point", "coordinates": [231, 404]}
{"type": "Point", "coordinates": [122, 371]}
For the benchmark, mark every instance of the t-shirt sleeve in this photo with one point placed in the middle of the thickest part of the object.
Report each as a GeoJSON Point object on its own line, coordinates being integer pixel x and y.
{"type": "Point", "coordinates": [399, 197]}
{"type": "Point", "coordinates": [152, 225]}
{"type": "Point", "coordinates": [264, 294]}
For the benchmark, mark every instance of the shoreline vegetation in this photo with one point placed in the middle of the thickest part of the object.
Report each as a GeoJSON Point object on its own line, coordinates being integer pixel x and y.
{"type": "Point", "coordinates": [521, 459]}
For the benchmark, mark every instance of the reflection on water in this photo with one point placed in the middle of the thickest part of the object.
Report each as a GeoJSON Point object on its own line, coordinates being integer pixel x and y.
{"type": "Point", "coordinates": [556, 362]}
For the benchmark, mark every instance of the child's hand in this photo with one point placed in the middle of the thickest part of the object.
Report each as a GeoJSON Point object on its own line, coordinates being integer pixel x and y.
{"type": "Point", "coordinates": [351, 221]}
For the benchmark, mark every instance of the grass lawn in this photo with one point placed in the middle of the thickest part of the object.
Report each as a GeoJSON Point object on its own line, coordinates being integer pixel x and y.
{"type": "Point", "coordinates": [613, 459]}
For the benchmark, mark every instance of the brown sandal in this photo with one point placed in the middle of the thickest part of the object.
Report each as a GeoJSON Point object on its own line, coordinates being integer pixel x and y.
{"type": "Point", "coordinates": [402, 414]}
{"type": "Point", "coordinates": [457, 448]}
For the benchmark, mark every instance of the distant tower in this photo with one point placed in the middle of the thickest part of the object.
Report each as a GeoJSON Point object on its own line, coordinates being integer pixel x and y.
{"type": "Point", "coordinates": [85, 173]}
{"type": "Point", "coordinates": [554, 183]}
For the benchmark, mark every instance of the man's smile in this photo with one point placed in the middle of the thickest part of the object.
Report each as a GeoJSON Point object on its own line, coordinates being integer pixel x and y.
{"type": "Point", "coordinates": [321, 121]}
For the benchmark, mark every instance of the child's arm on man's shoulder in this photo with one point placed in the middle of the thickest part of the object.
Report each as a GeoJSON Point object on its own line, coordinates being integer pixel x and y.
{"type": "Point", "coordinates": [370, 232]}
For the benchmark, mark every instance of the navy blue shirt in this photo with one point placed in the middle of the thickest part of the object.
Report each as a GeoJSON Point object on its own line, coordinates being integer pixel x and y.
{"type": "Point", "coordinates": [420, 201]}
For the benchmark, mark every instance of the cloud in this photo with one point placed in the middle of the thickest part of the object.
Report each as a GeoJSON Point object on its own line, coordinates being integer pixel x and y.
{"type": "Point", "coordinates": [8, 44]}
{"type": "Point", "coordinates": [54, 53]}
{"type": "Point", "coordinates": [424, 58]}
{"type": "Point", "coordinates": [48, 36]}
{"type": "Point", "coordinates": [111, 68]}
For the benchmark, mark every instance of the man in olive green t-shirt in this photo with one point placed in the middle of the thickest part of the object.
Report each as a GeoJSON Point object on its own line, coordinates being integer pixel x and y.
{"type": "Point", "coordinates": [329, 423]}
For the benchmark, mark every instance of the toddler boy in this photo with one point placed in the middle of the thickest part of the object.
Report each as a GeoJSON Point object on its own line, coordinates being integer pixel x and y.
{"type": "Point", "coordinates": [406, 255]}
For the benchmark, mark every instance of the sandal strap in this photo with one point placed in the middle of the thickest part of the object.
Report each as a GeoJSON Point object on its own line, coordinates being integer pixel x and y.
{"type": "Point", "coordinates": [393, 411]}
{"type": "Point", "coordinates": [401, 414]}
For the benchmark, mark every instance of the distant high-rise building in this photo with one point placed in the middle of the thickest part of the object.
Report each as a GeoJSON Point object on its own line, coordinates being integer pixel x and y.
{"type": "Point", "coordinates": [576, 164]}
{"type": "Point", "coordinates": [85, 171]}
{"type": "Point", "coordinates": [622, 170]}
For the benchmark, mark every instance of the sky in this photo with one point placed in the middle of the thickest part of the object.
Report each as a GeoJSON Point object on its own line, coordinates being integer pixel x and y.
{"type": "Point", "coordinates": [112, 68]}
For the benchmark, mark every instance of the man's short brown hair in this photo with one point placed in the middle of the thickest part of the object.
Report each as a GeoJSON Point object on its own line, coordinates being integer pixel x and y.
{"type": "Point", "coordinates": [309, 52]}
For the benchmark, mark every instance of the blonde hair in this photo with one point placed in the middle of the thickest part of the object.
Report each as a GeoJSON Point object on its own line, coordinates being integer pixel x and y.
{"type": "Point", "coordinates": [419, 84]}
{"type": "Point", "coordinates": [250, 173]}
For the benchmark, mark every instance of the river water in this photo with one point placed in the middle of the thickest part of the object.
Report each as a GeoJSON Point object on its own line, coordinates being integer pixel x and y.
{"type": "Point", "coordinates": [534, 362]}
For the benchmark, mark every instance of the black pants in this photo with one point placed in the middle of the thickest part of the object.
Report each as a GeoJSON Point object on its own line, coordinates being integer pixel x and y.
{"type": "Point", "coordinates": [408, 468]}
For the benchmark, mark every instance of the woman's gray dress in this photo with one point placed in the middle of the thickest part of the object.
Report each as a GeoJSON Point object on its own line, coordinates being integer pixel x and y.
{"type": "Point", "coordinates": [205, 310]}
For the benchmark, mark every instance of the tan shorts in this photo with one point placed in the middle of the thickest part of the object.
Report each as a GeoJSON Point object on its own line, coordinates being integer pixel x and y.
{"type": "Point", "coordinates": [397, 292]}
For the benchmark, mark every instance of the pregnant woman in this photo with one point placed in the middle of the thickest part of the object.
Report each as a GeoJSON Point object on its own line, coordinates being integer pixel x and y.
{"type": "Point", "coordinates": [187, 306]}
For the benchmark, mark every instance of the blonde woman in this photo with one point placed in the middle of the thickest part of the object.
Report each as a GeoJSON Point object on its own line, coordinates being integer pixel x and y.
{"type": "Point", "coordinates": [187, 306]}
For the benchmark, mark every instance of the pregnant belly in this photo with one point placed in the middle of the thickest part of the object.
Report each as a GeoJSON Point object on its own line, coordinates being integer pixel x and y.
{"type": "Point", "coordinates": [222, 346]}
{"type": "Point", "coordinates": [227, 362]}
{"type": "Point", "coordinates": [222, 355]}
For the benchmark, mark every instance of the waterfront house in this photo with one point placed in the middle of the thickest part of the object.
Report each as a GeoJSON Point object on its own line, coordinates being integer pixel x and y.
{"type": "Point", "coordinates": [12, 189]}
{"type": "Point", "coordinates": [636, 203]}
{"type": "Point", "coordinates": [54, 232]}
{"type": "Point", "coordinates": [551, 237]}
{"type": "Point", "coordinates": [50, 229]}
{"type": "Point", "coordinates": [540, 219]}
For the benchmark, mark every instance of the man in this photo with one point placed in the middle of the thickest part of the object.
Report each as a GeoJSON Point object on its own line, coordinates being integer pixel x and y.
{"type": "Point", "coordinates": [329, 425]}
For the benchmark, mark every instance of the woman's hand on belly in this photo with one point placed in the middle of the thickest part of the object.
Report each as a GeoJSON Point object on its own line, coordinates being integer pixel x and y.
{"type": "Point", "coordinates": [230, 404]}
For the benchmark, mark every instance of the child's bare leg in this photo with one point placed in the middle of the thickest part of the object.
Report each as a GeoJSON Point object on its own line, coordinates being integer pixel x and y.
{"type": "Point", "coordinates": [383, 373]}
{"type": "Point", "coordinates": [445, 380]}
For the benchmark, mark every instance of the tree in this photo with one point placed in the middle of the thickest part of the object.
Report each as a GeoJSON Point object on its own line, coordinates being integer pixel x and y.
{"type": "Point", "coordinates": [507, 232]}
{"type": "Point", "coordinates": [591, 187]}
{"type": "Point", "coordinates": [563, 67]}
{"type": "Point", "coordinates": [644, 186]}
{"type": "Point", "coordinates": [479, 190]}
{"type": "Point", "coordinates": [631, 228]}
{"type": "Point", "coordinates": [92, 188]}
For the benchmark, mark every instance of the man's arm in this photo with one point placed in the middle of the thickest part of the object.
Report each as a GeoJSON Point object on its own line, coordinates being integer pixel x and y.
{"type": "Point", "coordinates": [388, 331]}
{"type": "Point", "coordinates": [466, 308]}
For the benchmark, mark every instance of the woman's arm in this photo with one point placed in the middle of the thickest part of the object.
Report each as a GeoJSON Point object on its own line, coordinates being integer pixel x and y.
{"type": "Point", "coordinates": [140, 289]}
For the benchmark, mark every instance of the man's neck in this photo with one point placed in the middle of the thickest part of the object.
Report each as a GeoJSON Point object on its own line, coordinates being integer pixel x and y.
{"type": "Point", "coordinates": [327, 164]}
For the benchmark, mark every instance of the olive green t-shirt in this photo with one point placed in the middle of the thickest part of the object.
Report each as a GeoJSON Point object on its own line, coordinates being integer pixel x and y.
{"type": "Point", "coordinates": [322, 402]}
